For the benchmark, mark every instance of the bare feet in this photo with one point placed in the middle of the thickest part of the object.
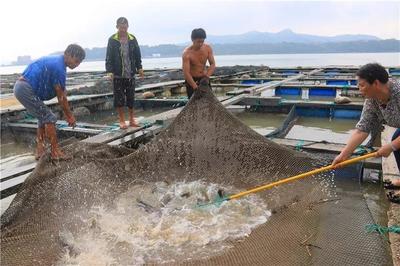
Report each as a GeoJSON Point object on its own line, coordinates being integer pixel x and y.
{"type": "Point", "coordinates": [121, 118]}
{"type": "Point", "coordinates": [396, 182]}
{"type": "Point", "coordinates": [57, 154]}
{"type": "Point", "coordinates": [39, 151]}
{"type": "Point", "coordinates": [393, 197]}
{"type": "Point", "coordinates": [123, 125]}
{"type": "Point", "coordinates": [133, 123]}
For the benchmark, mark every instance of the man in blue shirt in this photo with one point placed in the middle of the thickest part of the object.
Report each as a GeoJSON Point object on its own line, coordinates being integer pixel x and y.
{"type": "Point", "coordinates": [43, 80]}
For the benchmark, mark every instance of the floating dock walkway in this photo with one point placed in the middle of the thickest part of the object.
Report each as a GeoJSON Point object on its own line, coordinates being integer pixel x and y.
{"type": "Point", "coordinates": [247, 92]}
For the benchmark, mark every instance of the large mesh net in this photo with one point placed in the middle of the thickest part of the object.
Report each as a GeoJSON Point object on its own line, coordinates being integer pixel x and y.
{"type": "Point", "coordinates": [98, 207]}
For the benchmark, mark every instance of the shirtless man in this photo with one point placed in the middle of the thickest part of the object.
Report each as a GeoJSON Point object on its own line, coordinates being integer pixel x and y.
{"type": "Point", "coordinates": [194, 60]}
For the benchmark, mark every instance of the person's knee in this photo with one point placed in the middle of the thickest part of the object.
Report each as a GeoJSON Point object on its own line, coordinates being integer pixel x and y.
{"type": "Point", "coordinates": [48, 118]}
{"type": "Point", "coordinates": [130, 100]}
{"type": "Point", "coordinates": [118, 103]}
{"type": "Point", "coordinates": [40, 123]}
{"type": "Point", "coordinates": [16, 92]}
{"type": "Point", "coordinates": [20, 92]}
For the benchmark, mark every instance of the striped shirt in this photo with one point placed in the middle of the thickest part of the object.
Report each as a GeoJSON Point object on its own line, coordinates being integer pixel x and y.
{"type": "Point", "coordinates": [374, 114]}
{"type": "Point", "coordinates": [126, 61]}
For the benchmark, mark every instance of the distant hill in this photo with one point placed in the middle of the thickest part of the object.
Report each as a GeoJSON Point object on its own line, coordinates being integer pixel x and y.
{"type": "Point", "coordinates": [283, 42]}
{"type": "Point", "coordinates": [310, 48]}
{"type": "Point", "coordinates": [171, 50]}
{"type": "Point", "coordinates": [286, 35]}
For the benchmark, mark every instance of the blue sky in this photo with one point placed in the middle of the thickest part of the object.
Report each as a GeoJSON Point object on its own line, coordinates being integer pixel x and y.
{"type": "Point", "coordinates": [42, 26]}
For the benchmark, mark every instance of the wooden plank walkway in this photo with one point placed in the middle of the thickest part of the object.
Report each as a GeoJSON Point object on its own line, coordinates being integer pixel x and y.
{"type": "Point", "coordinates": [246, 99]}
{"type": "Point", "coordinates": [137, 135]}
{"type": "Point", "coordinates": [11, 173]}
{"type": "Point", "coordinates": [106, 137]}
{"type": "Point", "coordinates": [353, 105]}
{"type": "Point", "coordinates": [231, 75]}
{"type": "Point", "coordinates": [16, 106]}
{"type": "Point", "coordinates": [258, 89]}
{"type": "Point", "coordinates": [311, 86]}
{"type": "Point", "coordinates": [237, 85]}
{"type": "Point", "coordinates": [391, 172]}
{"type": "Point", "coordinates": [81, 129]}
{"type": "Point", "coordinates": [114, 137]}
{"type": "Point", "coordinates": [262, 87]}
{"type": "Point", "coordinates": [374, 163]}
{"type": "Point", "coordinates": [165, 84]}
{"type": "Point", "coordinates": [119, 137]}
{"type": "Point", "coordinates": [14, 171]}
{"type": "Point", "coordinates": [11, 186]}
{"type": "Point", "coordinates": [76, 130]}
{"type": "Point", "coordinates": [248, 89]}
{"type": "Point", "coordinates": [4, 203]}
{"type": "Point", "coordinates": [309, 78]}
{"type": "Point", "coordinates": [327, 68]}
{"type": "Point", "coordinates": [11, 104]}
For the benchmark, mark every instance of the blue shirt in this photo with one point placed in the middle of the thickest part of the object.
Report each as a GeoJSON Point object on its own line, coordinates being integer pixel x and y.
{"type": "Point", "coordinates": [44, 74]}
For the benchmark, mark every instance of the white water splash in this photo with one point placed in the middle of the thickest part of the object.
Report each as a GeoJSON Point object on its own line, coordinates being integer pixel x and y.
{"type": "Point", "coordinates": [163, 223]}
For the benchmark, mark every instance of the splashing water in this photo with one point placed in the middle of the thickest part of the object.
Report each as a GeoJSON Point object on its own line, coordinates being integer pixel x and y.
{"type": "Point", "coordinates": [160, 223]}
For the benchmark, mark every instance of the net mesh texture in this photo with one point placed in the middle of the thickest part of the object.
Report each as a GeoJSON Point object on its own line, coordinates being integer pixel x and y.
{"type": "Point", "coordinates": [315, 221]}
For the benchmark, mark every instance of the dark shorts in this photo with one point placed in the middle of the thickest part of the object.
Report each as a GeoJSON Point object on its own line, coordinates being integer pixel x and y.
{"type": "Point", "coordinates": [397, 153]}
{"type": "Point", "coordinates": [189, 89]}
{"type": "Point", "coordinates": [124, 92]}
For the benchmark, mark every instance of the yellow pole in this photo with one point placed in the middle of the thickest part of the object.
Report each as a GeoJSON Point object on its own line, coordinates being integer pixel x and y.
{"type": "Point", "coordinates": [293, 178]}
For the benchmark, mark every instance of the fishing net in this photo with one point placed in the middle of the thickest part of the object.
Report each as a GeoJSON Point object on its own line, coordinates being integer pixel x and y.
{"type": "Point", "coordinates": [98, 206]}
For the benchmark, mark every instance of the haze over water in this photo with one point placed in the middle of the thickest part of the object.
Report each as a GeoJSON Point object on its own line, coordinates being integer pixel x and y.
{"type": "Point", "coordinates": [272, 60]}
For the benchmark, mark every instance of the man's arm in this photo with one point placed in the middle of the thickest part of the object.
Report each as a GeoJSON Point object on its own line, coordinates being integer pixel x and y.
{"type": "Point", "coordinates": [395, 144]}
{"type": "Point", "coordinates": [387, 149]}
{"type": "Point", "coordinates": [211, 60]}
{"type": "Point", "coordinates": [186, 71]}
{"type": "Point", "coordinates": [62, 100]}
{"type": "Point", "coordinates": [109, 63]}
{"type": "Point", "coordinates": [368, 122]}
{"type": "Point", "coordinates": [356, 138]}
{"type": "Point", "coordinates": [138, 59]}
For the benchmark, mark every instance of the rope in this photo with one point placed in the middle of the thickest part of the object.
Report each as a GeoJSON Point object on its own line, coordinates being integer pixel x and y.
{"type": "Point", "coordinates": [60, 125]}
{"type": "Point", "coordinates": [113, 127]}
{"type": "Point", "coordinates": [258, 104]}
{"type": "Point", "coordinates": [146, 124]}
{"type": "Point", "coordinates": [345, 89]}
{"type": "Point", "coordinates": [28, 116]}
{"type": "Point", "coordinates": [361, 149]}
{"type": "Point", "coordinates": [382, 230]}
{"type": "Point", "coordinates": [299, 145]}
{"type": "Point", "coordinates": [315, 142]}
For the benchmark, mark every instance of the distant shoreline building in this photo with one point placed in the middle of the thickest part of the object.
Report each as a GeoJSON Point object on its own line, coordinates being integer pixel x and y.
{"type": "Point", "coordinates": [22, 60]}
